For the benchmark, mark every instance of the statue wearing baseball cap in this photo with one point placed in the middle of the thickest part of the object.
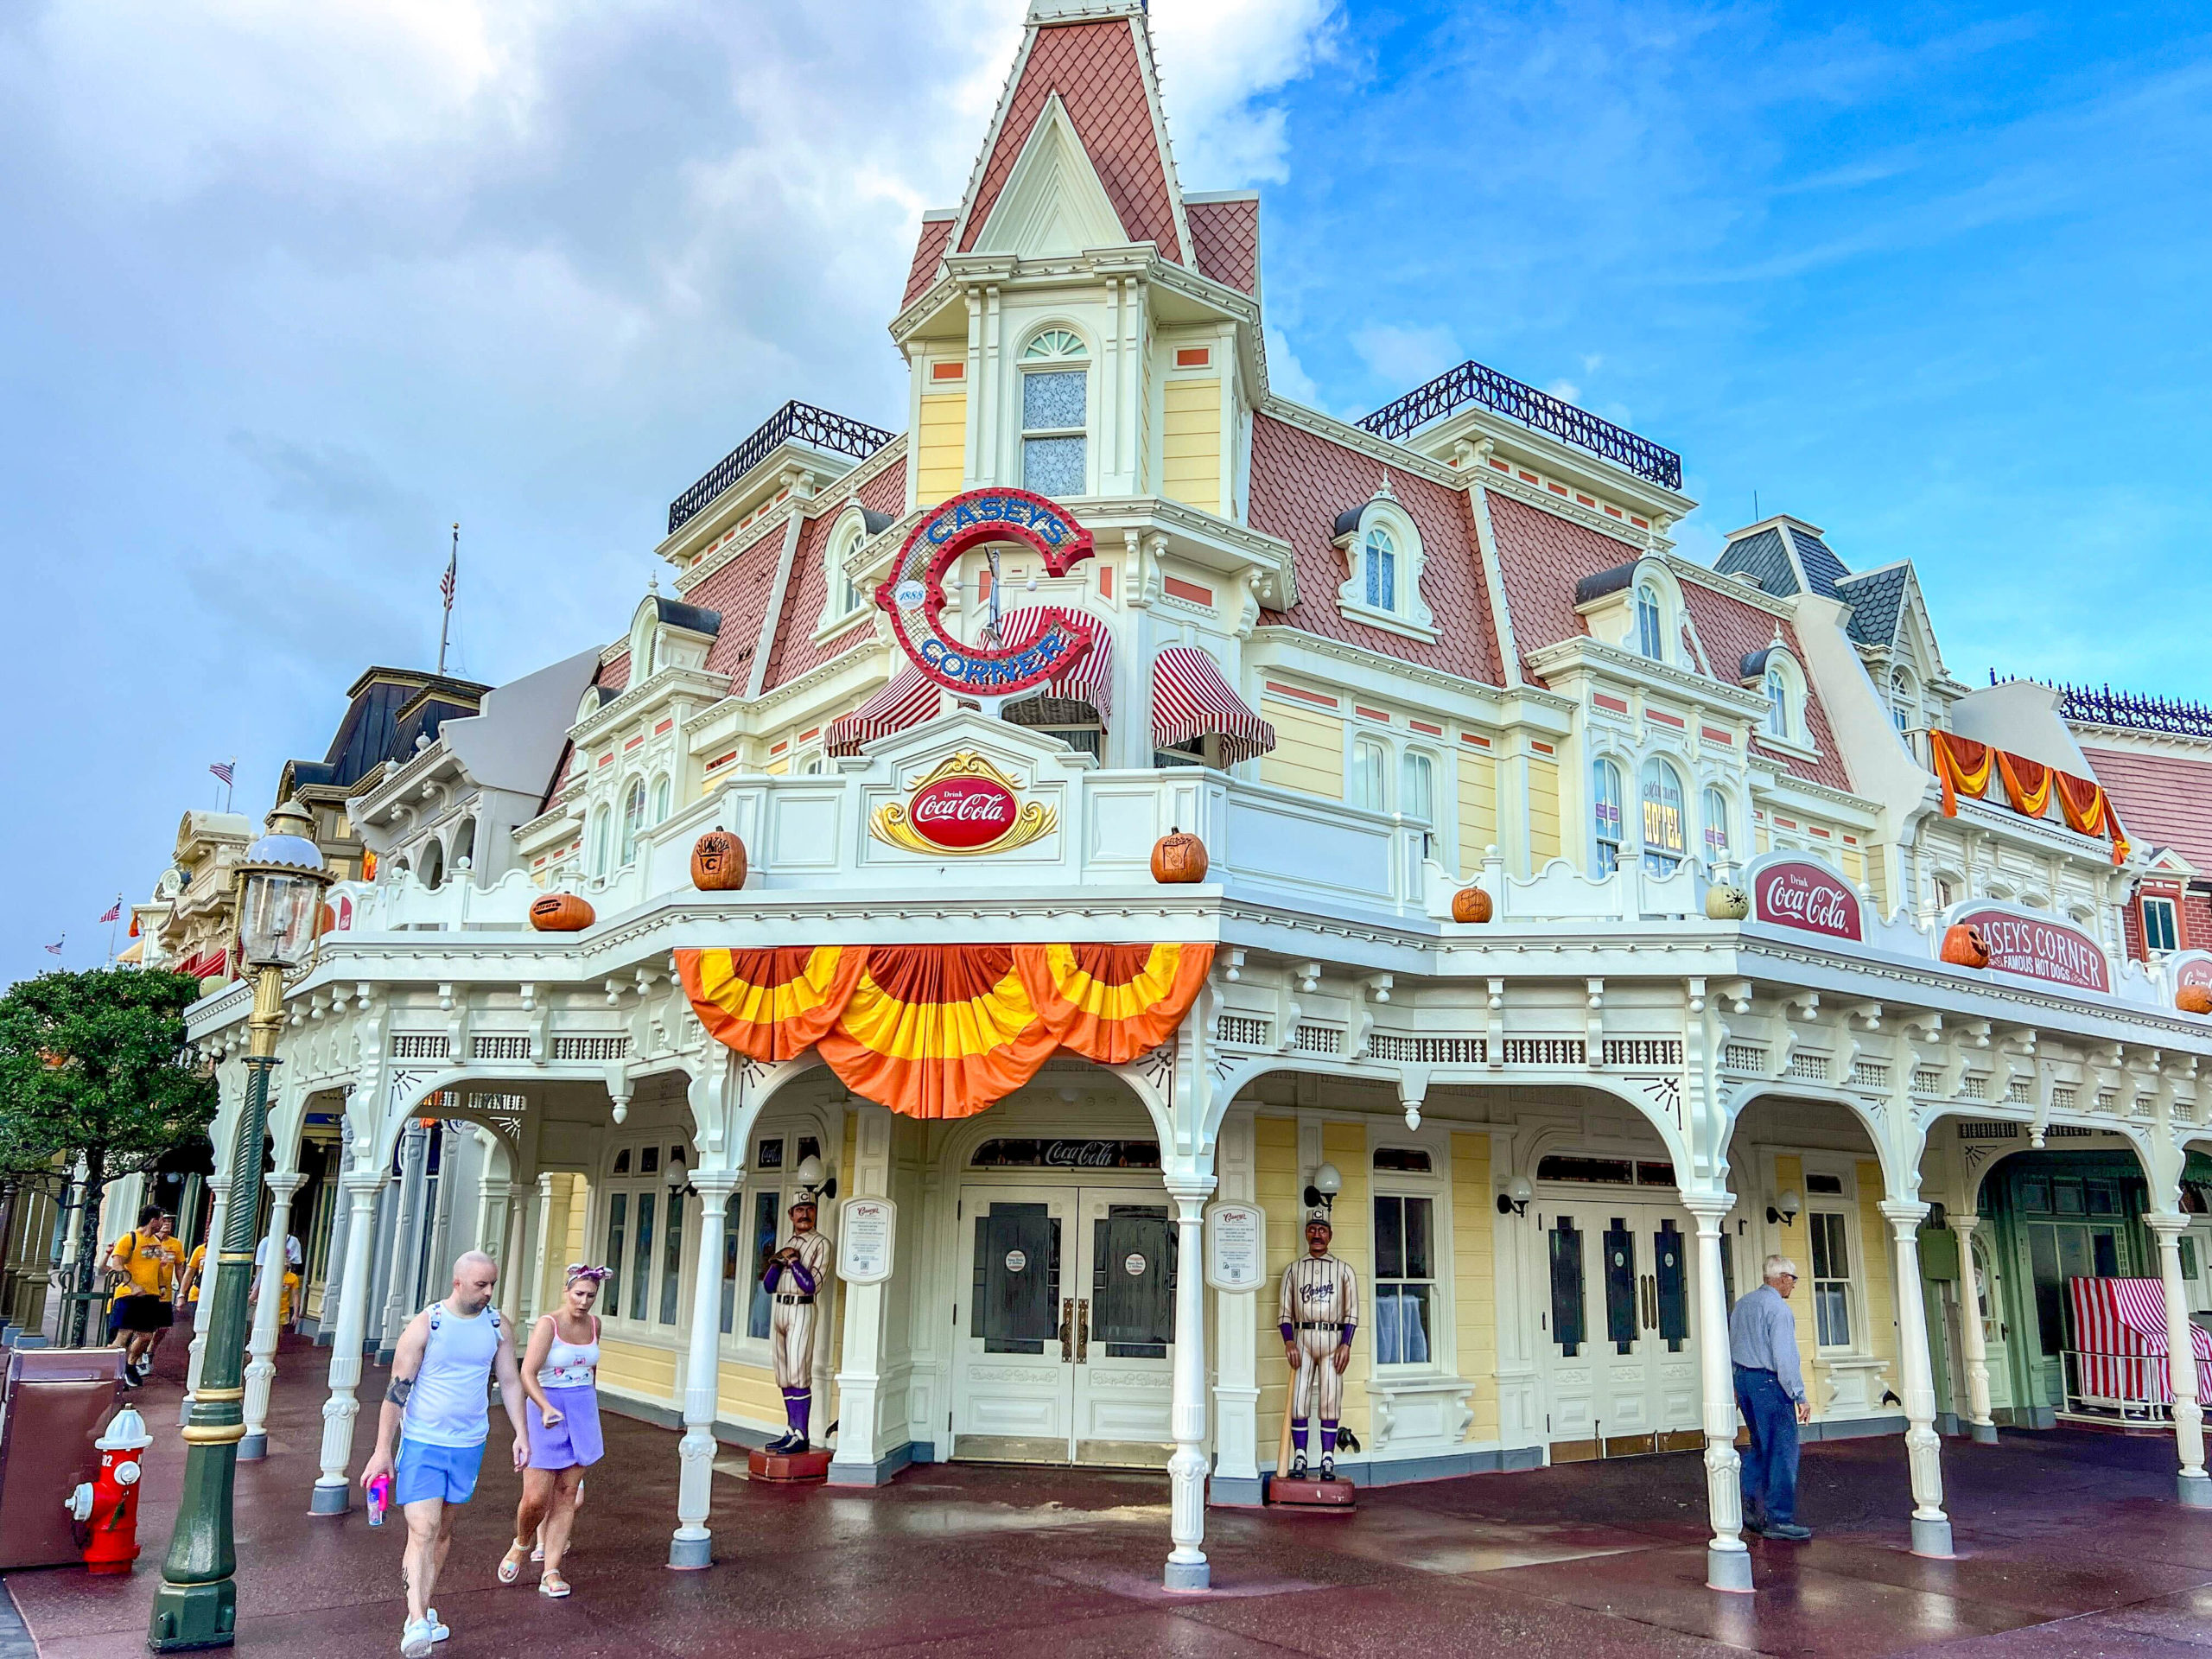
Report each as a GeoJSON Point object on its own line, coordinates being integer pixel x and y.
{"type": "Point", "coordinates": [1319, 1313]}
{"type": "Point", "coordinates": [794, 1277]}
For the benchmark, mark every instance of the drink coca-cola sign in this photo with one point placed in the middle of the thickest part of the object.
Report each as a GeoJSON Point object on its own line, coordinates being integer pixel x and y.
{"type": "Point", "coordinates": [962, 806]}
{"type": "Point", "coordinates": [2037, 947]}
{"type": "Point", "coordinates": [1808, 896]}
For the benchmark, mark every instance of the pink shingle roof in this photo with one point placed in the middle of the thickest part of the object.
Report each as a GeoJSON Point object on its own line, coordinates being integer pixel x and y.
{"type": "Point", "coordinates": [1542, 556]}
{"type": "Point", "coordinates": [1301, 481]}
{"type": "Point", "coordinates": [1730, 631]}
{"type": "Point", "coordinates": [929, 250]}
{"type": "Point", "coordinates": [796, 651]}
{"type": "Point", "coordinates": [740, 591]}
{"type": "Point", "coordinates": [1226, 241]}
{"type": "Point", "coordinates": [1094, 68]}
{"type": "Point", "coordinates": [2164, 799]}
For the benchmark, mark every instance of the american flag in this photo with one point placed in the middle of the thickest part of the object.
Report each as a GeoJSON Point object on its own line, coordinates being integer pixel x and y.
{"type": "Point", "coordinates": [446, 581]}
{"type": "Point", "coordinates": [55, 950]}
{"type": "Point", "coordinates": [114, 913]}
{"type": "Point", "coordinates": [224, 771]}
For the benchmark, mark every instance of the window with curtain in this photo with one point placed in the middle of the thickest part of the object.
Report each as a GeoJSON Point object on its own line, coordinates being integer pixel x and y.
{"type": "Point", "coordinates": [2160, 931]}
{"type": "Point", "coordinates": [618, 1226]}
{"type": "Point", "coordinates": [1369, 776]}
{"type": "Point", "coordinates": [1831, 1278]}
{"type": "Point", "coordinates": [1716, 826]}
{"type": "Point", "coordinates": [1650, 640]}
{"type": "Point", "coordinates": [1605, 816]}
{"type": "Point", "coordinates": [1665, 839]}
{"type": "Point", "coordinates": [1055, 414]}
{"type": "Point", "coordinates": [1382, 570]}
{"type": "Point", "coordinates": [1417, 786]}
{"type": "Point", "coordinates": [633, 819]}
{"type": "Point", "coordinates": [1777, 703]}
{"type": "Point", "coordinates": [1405, 1279]}
{"type": "Point", "coordinates": [672, 1265]}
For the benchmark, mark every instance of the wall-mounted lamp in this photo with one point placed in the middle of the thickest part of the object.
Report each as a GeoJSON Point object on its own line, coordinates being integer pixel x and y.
{"type": "Point", "coordinates": [1783, 1212]}
{"type": "Point", "coordinates": [1321, 1192]}
{"type": "Point", "coordinates": [1938, 1217]}
{"type": "Point", "coordinates": [678, 1170]}
{"type": "Point", "coordinates": [1514, 1201]}
{"type": "Point", "coordinates": [809, 1174]}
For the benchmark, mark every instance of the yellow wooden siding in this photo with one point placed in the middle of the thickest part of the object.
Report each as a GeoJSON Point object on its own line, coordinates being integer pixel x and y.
{"type": "Point", "coordinates": [1474, 1282]}
{"type": "Point", "coordinates": [635, 1369]}
{"type": "Point", "coordinates": [1854, 866]}
{"type": "Point", "coordinates": [749, 1393]}
{"type": "Point", "coordinates": [1478, 810]}
{"type": "Point", "coordinates": [1761, 842]}
{"type": "Point", "coordinates": [1543, 812]}
{"type": "Point", "coordinates": [1789, 1177]}
{"type": "Point", "coordinates": [1275, 1189]}
{"type": "Point", "coordinates": [1309, 751]}
{"type": "Point", "coordinates": [1190, 444]}
{"type": "Point", "coordinates": [941, 452]}
{"type": "Point", "coordinates": [1877, 881]}
{"type": "Point", "coordinates": [1877, 1273]}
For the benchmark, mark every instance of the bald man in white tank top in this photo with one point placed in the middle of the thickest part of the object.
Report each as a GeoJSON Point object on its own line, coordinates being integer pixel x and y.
{"type": "Point", "coordinates": [434, 1408]}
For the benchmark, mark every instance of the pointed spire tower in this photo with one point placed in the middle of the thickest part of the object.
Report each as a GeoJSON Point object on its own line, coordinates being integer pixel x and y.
{"type": "Point", "coordinates": [1079, 325]}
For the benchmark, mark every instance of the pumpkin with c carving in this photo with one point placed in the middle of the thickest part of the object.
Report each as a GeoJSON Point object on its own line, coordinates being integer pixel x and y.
{"type": "Point", "coordinates": [1177, 857]}
{"type": "Point", "coordinates": [561, 913]}
{"type": "Point", "coordinates": [1965, 947]}
{"type": "Point", "coordinates": [718, 861]}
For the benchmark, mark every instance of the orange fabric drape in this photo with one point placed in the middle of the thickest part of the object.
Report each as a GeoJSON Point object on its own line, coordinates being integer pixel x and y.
{"type": "Point", "coordinates": [2088, 811]}
{"type": "Point", "coordinates": [944, 1031]}
{"type": "Point", "coordinates": [1962, 767]}
{"type": "Point", "coordinates": [2027, 783]}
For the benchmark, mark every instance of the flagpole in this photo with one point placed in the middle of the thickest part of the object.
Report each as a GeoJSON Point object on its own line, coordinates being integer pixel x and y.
{"type": "Point", "coordinates": [453, 569]}
{"type": "Point", "coordinates": [112, 926]}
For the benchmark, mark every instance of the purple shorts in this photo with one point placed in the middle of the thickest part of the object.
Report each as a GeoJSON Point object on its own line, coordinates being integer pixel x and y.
{"type": "Point", "coordinates": [574, 1440]}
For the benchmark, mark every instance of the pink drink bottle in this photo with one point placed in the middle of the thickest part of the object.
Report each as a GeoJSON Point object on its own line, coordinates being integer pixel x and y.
{"type": "Point", "coordinates": [379, 1499]}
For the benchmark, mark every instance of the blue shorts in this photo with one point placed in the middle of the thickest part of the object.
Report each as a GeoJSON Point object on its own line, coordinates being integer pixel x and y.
{"type": "Point", "coordinates": [446, 1472]}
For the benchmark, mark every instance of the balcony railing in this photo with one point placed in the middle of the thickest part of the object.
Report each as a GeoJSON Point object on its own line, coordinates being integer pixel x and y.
{"type": "Point", "coordinates": [2103, 706]}
{"type": "Point", "coordinates": [794, 422]}
{"type": "Point", "coordinates": [1471, 382]}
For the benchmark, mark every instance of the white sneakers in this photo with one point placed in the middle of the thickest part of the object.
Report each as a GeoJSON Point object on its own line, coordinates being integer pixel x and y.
{"type": "Point", "coordinates": [418, 1635]}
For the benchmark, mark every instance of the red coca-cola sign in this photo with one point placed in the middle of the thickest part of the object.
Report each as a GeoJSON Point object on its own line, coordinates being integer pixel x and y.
{"type": "Point", "coordinates": [2036, 947]}
{"type": "Point", "coordinates": [1800, 894]}
{"type": "Point", "coordinates": [961, 814]}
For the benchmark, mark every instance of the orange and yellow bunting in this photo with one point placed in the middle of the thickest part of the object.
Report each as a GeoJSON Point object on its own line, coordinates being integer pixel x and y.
{"type": "Point", "coordinates": [944, 1031]}
{"type": "Point", "coordinates": [2088, 811]}
{"type": "Point", "coordinates": [1962, 767]}
{"type": "Point", "coordinates": [2027, 783]}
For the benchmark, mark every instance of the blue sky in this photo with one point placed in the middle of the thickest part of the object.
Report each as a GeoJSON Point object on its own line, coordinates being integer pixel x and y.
{"type": "Point", "coordinates": [292, 288]}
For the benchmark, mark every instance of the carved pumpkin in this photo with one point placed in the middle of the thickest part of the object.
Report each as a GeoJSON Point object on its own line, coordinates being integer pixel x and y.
{"type": "Point", "coordinates": [2194, 999]}
{"type": "Point", "coordinates": [1964, 946]}
{"type": "Point", "coordinates": [1725, 902]}
{"type": "Point", "coordinates": [1178, 857]}
{"type": "Point", "coordinates": [718, 861]}
{"type": "Point", "coordinates": [1471, 904]}
{"type": "Point", "coordinates": [561, 913]}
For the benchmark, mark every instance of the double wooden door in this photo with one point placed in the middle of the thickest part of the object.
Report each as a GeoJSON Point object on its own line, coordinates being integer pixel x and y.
{"type": "Point", "coordinates": [1619, 1318]}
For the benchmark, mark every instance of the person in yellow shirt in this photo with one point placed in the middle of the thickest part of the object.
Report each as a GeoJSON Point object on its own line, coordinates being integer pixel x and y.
{"type": "Point", "coordinates": [145, 1262]}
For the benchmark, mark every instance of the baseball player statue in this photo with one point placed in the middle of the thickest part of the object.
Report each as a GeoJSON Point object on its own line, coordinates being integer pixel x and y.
{"type": "Point", "coordinates": [1320, 1310]}
{"type": "Point", "coordinates": [794, 1276]}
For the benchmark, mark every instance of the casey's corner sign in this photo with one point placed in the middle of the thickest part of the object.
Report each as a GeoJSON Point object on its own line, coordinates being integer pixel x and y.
{"type": "Point", "coordinates": [2037, 947]}
{"type": "Point", "coordinates": [914, 597]}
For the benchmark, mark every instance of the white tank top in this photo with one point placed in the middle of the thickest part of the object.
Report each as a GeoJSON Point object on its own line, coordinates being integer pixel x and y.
{"type": "Point", "coordinates": [448, 1405]}
{"type": "Point", "coordinates": [569, 1364]}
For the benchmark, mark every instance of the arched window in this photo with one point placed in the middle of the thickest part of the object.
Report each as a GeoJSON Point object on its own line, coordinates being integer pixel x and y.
{"type": "Point", "coordinates": [1382, 570]}
{"type": "Point", "coordinates": [1716, 827]}
{"type": "Point", "coordinates": [663, 798]}
{"type": "Point", "coordinates": [1651, 636]}
{"type": "Point", "coordinates": [1605, 816]}
{"type": "Point", "coordinates": [1777, 702]}
{"type": "Point", "coordinates": [844, 592]}
{"type": "Point", "coordinates": [1368, 780]}
{"type": "Point", "coordinates": [1417, 786]}
{"type": "Point", "coordinates": [633, 818]}
{"type": "Point", "coordinates": [464, 843]}
{"type": "Point", "coordinates": [1666, 837]}
{"type": "Point", "coordinates": [434, 863]}
{"type": "Point", "coordinates": [601, 841]}
{"type": "Point", "coordinates": [1055, 414]}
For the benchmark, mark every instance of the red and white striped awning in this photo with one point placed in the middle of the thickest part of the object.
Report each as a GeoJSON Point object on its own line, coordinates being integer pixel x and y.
{"type": "Point", "coordinates": [1190, 699]}
{"type": "Point", "coordinates": [1090, 679]}
{"type": "Point", "coordinates": [2121, 1322]}
{"type": "Point", "coordinates": [907, 699]}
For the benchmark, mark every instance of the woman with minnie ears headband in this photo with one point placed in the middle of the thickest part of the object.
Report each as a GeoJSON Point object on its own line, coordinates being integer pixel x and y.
{"type": "Point", "coordinates": [559, 1372]}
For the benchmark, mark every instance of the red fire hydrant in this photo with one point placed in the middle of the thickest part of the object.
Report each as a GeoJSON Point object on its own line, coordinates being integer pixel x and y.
{"type": "Point", "coordinates": [108, 1506]}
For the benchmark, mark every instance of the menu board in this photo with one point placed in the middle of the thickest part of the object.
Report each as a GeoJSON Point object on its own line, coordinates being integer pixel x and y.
{"type": "Point", "coordinates": [866, 1230]}
{"type": "Point", "coordinates": [1237, 1245]}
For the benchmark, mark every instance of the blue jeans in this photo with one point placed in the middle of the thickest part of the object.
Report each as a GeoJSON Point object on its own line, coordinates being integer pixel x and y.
{"type": "Point", "coordinates": [1770, 1467]}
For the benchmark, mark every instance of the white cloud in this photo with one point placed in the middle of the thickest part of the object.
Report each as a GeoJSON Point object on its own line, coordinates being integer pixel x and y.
{"type": "Point", "coordinates": [1286, 376]}
{"type": "Point", "coordinates": [1405, 357]}
{"type": "Point", "coordinates": [1217, 62]}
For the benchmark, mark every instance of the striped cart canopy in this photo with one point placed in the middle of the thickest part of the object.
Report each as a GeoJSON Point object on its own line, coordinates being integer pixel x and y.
{"type": "Point", "coordinates": [1089, 679]}
{"type": "Point", "coordinates": [907, 699]}
{"type": "Point", "coordinates": [1190, 699]}
{"type": "Point", "coordinates": [2121, 1350]}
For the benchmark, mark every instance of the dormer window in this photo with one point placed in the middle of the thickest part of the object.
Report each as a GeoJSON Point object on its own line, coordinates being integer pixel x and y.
{"type": "Point", "coordinates": [1777, 703]}
{"type": "Point", "coordinates": [843, 598]}
{"type": "Point", "coordinates": [1055, 414]}
{"type": "Point", "coordinates": [1381, 554]}
{"type": "Point", "coordinates": [1650, 624]}
{"type": "Point", "coordinates": [1383, 566]}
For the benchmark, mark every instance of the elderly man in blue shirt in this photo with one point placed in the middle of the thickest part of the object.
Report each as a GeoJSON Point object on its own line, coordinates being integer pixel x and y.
{"type": "Point", "coordinates": [1770, 1393]}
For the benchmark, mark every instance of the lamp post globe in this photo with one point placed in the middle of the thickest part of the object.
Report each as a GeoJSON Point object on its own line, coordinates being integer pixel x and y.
{"type": "Point", "coordinates": [280, 887]}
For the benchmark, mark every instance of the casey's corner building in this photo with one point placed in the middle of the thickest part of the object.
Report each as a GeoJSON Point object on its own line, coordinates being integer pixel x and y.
{"type": "Point", "coordinates": [1161, 809]}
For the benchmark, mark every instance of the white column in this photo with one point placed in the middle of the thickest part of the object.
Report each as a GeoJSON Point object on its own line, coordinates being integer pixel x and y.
{"type": "Point", "coordinates": [543, 1263]}
{"type": "Point", "coordinates": [261, 1366]}
{"type": "Point", "coordinates": [1236, 1314]}
{"type": "Point", "coordinates": [203, 1309]}
{"type": "Point", "coordinates": [1187, 1568]}
{"type": "Point", "coordinates": [1972, 1339]}
{"type": "Point", "coordinates": [2193, 1487]}
{"type": "Point", "coordinates": [1931, 1528]}
{"type": "Point", "coordinates": [859, 1373]}
{"type": "Point", "coordinates": [332, 1487]}
{"type": "Point", "coordinates": [693, 1544]}
{"type": "Point", "coordinates": [1727, 1563]}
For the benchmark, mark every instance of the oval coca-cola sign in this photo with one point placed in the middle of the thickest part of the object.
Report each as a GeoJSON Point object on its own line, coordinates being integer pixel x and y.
{"type": "Point", "coordinates": [961, 814]}
{"type": "Point", "coordinates": [1801, 893]}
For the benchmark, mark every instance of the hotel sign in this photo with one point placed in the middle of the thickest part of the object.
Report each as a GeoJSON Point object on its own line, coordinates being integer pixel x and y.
{"type": "Point", "coordinates": [913, 596]}
{"type": "Point", "coordinates": [2038, 947]}
{"type": "Point", "coordinates": [1804, 893]}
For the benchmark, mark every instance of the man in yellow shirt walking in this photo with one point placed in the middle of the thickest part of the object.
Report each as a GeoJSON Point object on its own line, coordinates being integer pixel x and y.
{"type": "Point", "coordinates": [146, 1261]}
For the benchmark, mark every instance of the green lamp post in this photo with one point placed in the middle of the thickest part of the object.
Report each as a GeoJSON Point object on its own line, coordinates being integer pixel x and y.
{"type": "Point", "coordinates": [281, 882]}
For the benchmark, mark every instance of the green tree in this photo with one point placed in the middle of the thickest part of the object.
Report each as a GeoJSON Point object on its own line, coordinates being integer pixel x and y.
{"type": "Point", "coordinates": [94, 1068]}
